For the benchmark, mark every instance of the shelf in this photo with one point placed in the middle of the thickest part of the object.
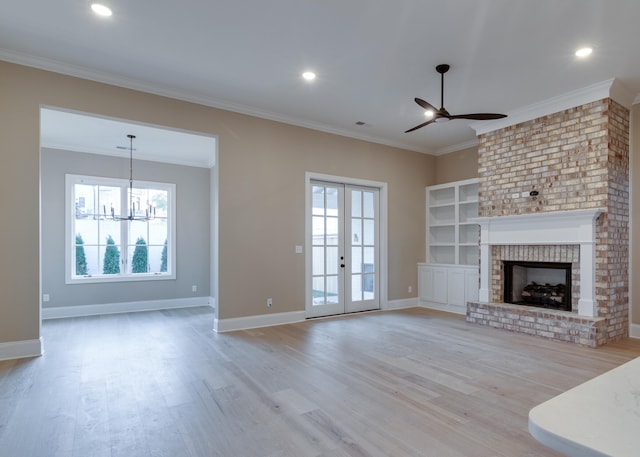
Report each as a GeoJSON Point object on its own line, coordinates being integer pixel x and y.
{"type": "Point", "coordinates": [451, 236]}
{"type": "Point", "coordinates": [469, 234]}
{"type": "Point", "coordinates": [443, 205]}
{"type": "Point", "coordinates": [469, 255]}
{"type": "Point", "coordinates": [466, 212]}
{"type": "Point", "coordinates": [468, 192]}
{"type": "Point", "coordinates": [441, 215]}
{"type": "Point", "coordinates": [442, 196]}
{"type": "Point", "coordinates": [442, 254]}
{"type": "Point", "coordinates": [442, 235]}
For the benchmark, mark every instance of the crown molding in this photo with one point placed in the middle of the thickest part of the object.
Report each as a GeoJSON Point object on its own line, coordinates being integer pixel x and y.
{"type": "Point", "coordinates": [611, 88]}
{"type": "Point", "coordinates": [197, 98]}
{"type": "Point", "coordinates": [621, 94]}
{"type": "Point", "coordinates": [456, 147]}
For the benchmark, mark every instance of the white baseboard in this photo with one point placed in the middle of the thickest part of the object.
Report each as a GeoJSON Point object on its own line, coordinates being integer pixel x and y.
{"type": "Point", "coordinates": [21, 349]}
{"type": "Point", "coordinates": [400, 304]}
{"type": "Point", "coordinates": [127, 307]}
{"type": "Point", "coordinates": [634, 330]}
{"type": "Point", "coordinates": [455, 309]}
{"type": "Point", "coordinates": [261, 320]}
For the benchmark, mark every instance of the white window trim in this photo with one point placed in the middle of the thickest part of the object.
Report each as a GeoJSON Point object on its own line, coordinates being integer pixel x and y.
{"type": "Point", "coordinates": [70, 181]}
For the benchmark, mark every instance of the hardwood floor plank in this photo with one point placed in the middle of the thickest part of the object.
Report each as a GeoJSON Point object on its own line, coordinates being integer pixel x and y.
{"type": "Point", "coordinates": [404, 383]}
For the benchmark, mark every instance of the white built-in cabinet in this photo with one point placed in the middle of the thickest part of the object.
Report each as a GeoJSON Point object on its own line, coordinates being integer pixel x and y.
{"type": "Point", "coordinates": [450, 276]}
{"type": "Point", "coordinates": [447, 287]}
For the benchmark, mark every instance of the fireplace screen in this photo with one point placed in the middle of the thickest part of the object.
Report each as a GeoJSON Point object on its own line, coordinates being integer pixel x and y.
{"type": "Point", "coordinates": [543, 284]}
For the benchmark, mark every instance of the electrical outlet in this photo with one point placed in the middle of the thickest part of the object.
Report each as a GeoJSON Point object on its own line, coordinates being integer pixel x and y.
{"type": "Point", "coordinates": [45, 297]}
{"type": "Point", "coordinates": [269, 302]}
{"type": "Point", "coordinates": [194, 288]}
{"type": "Point", "coordinates": [409, 289]}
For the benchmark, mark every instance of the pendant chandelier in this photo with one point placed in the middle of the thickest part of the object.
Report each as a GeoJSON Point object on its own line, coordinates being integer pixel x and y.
{"type": "Point", "coordinates": [135, 211]}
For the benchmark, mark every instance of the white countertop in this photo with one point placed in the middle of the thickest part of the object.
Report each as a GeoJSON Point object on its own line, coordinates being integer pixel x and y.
{"type": "Point", "coordinates": [598, 418]}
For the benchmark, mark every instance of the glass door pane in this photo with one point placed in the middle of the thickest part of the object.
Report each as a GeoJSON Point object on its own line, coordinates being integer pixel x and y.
{"type": "Point", "coordinates": [326, 252]}
{"type": "Point", "coordinates": [344, 251]}
{"type": "Point", "coordinates": [362, 264]}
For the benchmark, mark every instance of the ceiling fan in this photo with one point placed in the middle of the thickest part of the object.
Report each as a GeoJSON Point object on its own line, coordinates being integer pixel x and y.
{"type": "Point", "coordinates": [441, 115]}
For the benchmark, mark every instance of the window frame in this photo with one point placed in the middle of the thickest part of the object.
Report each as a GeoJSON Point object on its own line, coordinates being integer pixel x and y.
{"type": "Point", "coordinates": [70, 232]}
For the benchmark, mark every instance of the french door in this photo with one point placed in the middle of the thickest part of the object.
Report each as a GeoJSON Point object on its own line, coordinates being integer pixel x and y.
{"type": "Point", "coordinates": [344, 253]}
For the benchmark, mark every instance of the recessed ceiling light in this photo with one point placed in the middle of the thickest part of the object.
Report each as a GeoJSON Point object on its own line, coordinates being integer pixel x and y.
{"type": "Point", "coordinates": [584, 52]}
{"type": "Point", "coordinates": [101, 10]}
{"type": "Point", "coordinates": [429, 113]}
{"type": "Point", "coordinates": [309, 75]}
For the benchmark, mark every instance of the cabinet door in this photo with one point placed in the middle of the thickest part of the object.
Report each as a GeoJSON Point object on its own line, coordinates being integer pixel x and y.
{"type": "Point", "coordinates": [425, 279]}
{"type": "Point", "coordinates": [440, 285]}
{"type": "Point", "coordinates": [456, 286]}
{"type": "Point", "coordinates": [472, 285]}
{"type": "Point", "coordinates": [433, 284]}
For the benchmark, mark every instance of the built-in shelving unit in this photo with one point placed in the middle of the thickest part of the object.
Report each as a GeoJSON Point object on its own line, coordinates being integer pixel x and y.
{"type": "Point", "coordinates": [450, 276]}
{"type": "Point", "coordinates": [452, 239]}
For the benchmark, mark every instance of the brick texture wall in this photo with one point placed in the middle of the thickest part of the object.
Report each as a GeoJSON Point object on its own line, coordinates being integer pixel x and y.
{"type": "Point", "coordinates": [575, 159]}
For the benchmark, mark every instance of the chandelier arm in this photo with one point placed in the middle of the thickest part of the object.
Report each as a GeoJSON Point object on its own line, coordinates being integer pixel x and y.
{"type": "Point", "coordinates": [150, 212]}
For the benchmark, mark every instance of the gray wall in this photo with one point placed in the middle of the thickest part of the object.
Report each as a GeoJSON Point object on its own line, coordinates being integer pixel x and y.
{"type": "Point", "coordinates": [192, 229]}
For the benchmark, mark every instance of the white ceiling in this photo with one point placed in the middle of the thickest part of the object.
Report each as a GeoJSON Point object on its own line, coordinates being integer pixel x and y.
{"type": "Point", "coordinates": [372, 57]}
{"type": "Point", "coordinates": [97, 135]}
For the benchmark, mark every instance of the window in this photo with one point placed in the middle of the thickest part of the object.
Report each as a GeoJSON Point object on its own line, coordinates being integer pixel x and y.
{"type": "Point", "coordinates": [101, 248]}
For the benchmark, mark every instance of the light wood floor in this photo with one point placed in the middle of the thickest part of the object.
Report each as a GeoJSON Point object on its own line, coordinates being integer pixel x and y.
{"type": "Point", "coordinates": [405, 383]}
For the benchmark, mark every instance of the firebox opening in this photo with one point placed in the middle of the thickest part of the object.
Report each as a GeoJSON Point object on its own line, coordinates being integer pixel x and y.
{"type": "Point", "coordinates": [543, 284]}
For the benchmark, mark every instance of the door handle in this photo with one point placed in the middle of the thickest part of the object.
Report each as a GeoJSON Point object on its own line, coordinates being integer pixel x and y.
{"type": "Point", "coordinates": [342, 260]}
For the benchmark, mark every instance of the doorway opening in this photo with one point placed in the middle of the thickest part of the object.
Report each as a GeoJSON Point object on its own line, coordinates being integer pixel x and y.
{"type": "Point", "coordinates": [79, 230]}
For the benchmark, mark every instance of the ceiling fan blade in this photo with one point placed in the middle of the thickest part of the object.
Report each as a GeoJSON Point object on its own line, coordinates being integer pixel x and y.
{"type": "Point", "coordinates": [430, 121]}
{"type": "Point", "coordinates": [425, 105]}
{"type": "Point", "coordinates": [479, 116]}
{"type": "Point", "coordinates": [442, 113]}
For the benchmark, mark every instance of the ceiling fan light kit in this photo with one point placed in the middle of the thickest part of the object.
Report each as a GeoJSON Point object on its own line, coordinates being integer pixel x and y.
{"type": "Point", "coordinates": [442, 115]}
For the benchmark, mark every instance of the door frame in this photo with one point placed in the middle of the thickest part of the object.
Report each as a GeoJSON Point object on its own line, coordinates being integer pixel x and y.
{"type": "Point", "coordinates": [382, 188]}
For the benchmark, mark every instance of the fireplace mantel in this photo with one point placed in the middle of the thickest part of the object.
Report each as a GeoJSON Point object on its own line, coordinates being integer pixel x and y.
{"type": "Point", "coordinates": [558, 227]}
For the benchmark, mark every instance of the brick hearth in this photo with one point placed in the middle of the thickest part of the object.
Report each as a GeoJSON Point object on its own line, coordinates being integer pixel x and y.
{"type": "Point", "coordinates": [556, 325]}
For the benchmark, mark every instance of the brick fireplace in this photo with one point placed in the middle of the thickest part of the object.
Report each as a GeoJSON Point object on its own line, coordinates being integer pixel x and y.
{"type": "Point", "coordinates": [555, 189]}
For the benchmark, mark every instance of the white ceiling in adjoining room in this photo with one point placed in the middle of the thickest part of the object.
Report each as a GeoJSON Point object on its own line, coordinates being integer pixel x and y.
{"type": "Point", "coordinates": [60, 129]}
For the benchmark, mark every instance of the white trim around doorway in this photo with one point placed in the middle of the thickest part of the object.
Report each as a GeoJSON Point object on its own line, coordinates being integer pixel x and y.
{"type": "Point", "coordinates": [383, 189]}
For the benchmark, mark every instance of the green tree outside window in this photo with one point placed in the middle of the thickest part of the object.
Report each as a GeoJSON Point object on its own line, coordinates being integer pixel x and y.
{"type": "Point", "coordinates": [111, 264]}
{"type": "Point", "coordinates": [139, 263]}
{"type": "Point", "coordinates": [163, 258]}
{"type": "Point", "coordinates": [81, 258]}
